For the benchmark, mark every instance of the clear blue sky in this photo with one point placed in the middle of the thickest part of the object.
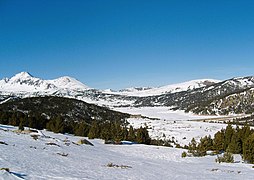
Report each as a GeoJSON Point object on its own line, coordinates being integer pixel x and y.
{"type": "Point", "coordinates": [123, 43]}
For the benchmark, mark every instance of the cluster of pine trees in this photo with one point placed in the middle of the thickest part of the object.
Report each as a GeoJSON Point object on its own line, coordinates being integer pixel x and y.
{"type": "Point", "coordinates": [107, 130]}
{"type": "Point", "coordinates": [232, 140]}
{"type": "Point", "coordinates": [117, 132]}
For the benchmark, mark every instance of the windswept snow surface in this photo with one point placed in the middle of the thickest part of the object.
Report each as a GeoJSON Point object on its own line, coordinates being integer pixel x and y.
{"type": "Point", "coordinates": [33, 159]}
{"type": "Point", "coordinates": [185, 86]}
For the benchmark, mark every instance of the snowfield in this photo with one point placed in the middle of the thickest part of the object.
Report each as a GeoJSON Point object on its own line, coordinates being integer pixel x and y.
{"type": "Point", "coordinates": [172, 125]}
{"type": "Point", "coordinates": [28, 158]}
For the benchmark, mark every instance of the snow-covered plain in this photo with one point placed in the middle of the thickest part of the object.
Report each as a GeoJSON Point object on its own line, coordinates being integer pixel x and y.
{"type": "Point", "coordinates": [33, 159]}
{"type": "Point", "coordinates": [173, 125]}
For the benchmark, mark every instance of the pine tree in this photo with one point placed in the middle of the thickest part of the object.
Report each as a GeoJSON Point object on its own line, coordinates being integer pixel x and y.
{"type": "Point", "coordinates": [206, 143]}
{"type": "Point", "coordinates": [131, 134]}
{"type": "Point", "coordinates": [143, 136]}
{"type": "Point", "coordinates": [228, 136]}
{"type": "Point", "coordinates": [192, 145]}
{"type": "Point", "coordinates": [218, 141]}
{"type": "Point", "coordinates": [94, 131]}
{"type": "Point", "coordinates": [21, 126]}
{"type": "Point", "coordinates": [235, 146]}
{"type": "Point", "coordinates": [106, 131]}
{"type": "Point", "coordinates": [56, 125]}
{"type": "Point", "coordinates": [248, 149]}
{"type": "Point", "coordinates": [31, 122]}
{"type": "Point", "coordinates": [81, 129]}
{"type": "Point", "coordinates": [118, 136]}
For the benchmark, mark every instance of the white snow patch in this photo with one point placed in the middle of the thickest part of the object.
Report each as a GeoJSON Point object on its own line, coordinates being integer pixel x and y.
{"type": "Point", "coordinates": [33, 159]}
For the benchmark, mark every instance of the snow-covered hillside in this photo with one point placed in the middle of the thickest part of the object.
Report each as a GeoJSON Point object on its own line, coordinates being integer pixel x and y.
{"type": "Point", "coordinates": [57, 156]}
{"type": "Point", "coordinates": [185, 86]}
{"type": "Point", "coordinates": [24, 82]}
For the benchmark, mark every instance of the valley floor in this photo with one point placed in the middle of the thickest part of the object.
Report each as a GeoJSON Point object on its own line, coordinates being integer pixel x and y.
{"type": "Point", "coordinates": [28, 158]}
{"type": "Point", "coordinates": [173, 125]}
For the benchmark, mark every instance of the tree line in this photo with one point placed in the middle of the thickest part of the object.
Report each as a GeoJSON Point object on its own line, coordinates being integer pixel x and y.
{"type": "Point", "coordinates": [239, 140]}
{"type": "Point", "coordinates": [107, 130]}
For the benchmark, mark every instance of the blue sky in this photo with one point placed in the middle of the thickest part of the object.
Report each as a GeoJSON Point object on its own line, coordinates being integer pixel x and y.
{"type": "Point", "coordinates": [118, 44]}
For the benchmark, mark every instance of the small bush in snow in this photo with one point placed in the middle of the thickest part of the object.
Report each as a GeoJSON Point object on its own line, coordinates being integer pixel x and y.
{"type": "Point", "coordinates": [118, 166]}
{"type": "Point", "coordinates": [184, 154]}
{"type": "Point", "coordinates": [5, 169]}
{"type": "Point", "coordinates": [227, 158]}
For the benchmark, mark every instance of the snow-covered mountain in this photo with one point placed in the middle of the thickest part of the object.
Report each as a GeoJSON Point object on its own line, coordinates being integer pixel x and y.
{"type": "Point", "coordinates": [189, 96]}
{"type": "Point", "coordinates": [25, 85]}
{"type": "Point", "coordinates": [148, 91]}
{"type": "Point", "coordinates": [24, 82]}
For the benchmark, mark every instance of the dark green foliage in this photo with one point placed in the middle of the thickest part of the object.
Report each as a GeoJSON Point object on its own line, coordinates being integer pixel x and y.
{"type": "Point", "coordinates": [131, 134]}
{"type": "Point", "coordinates": [143, 136]}
{"type": "Point", "coordinates": [236, 141]}
{"type": "Point", "coordinates": [184, 154]}
{"type": "Point", "coordinates": [63, 115]}
{"type": "Point", "coordinates": [56, 125]}
{"type": "Point", "coordinates": [81, 129]}
{"type": "Point", "coordinates": [68, 109]}
{"type": "Point", "coordinates": [21, 126]}
{"type": "Point", "coordinates": [160, 142]}
{"type": "Point", "coordinates": [192, 146]}
{"type": "Point", "coordinates": [228, 136]}
{"type": "Point", "coordinates": [248, 149]}
{"type": "Point", "coordinates": [206, 143]}
{"type": "Point", "coordinates": [235, 145]}
{"type": "Point", "coordinates": [94, 131]}
{"type": "Point", "coordinates": [218, 141]}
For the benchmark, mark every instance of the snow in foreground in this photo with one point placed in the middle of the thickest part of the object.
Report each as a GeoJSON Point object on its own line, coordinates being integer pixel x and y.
{"type": "Point", "coordinates": [33, 159]}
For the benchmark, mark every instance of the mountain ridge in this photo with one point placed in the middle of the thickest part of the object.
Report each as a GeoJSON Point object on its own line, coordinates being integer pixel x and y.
{"type": "Point", "coordinates": [199, 96]}
{"type": "Point", "coordinates": [24, 81]}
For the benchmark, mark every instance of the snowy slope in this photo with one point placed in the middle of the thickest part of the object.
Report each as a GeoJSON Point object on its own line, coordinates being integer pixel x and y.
{"type": "Point", "coordinates": [185, 86]}
{"type": "Point", "coordinates": [24, 82]}
{"type": "Point", "coordinates": [34, 159]}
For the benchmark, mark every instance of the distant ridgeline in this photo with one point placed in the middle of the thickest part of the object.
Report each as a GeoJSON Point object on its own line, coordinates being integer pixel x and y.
{"type": "Point", "coordinates": [204, 97]}
{"type": "Point", "coordinates": [65, 115]}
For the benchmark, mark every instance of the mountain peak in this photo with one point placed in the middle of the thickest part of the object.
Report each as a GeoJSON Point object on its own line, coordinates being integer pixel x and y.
{"type": "Point", "coordinates": [24, 81]}
{"type": "Point", "coordinates": [69, 82]}
{"type": "Point", "coordinates": [22, 75]}
{"type": "Point", "coordinates": [25, 74]}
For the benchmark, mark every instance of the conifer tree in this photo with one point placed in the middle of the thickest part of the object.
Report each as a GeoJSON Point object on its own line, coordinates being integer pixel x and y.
{"type": "Point", "coordinates": [94, 131]}
{"type": "Point", "coordinates": [131, 134]}
{"type": "Point", "coordinates": [248, 149]}
{"type": "Point", "coordinates": [228, 135]}
{"type": "Point", "coordinates": [192, 145]}
{"type": "Point", "coordinates": [143, 136]}
{"type": "Point", "coordinates": [106, 131]}
{"type": "Point", "coordinates": [206, 143]}
{"type": "Point", "coordinates": [218, 141]}
{"type": "Point", "coordinates": [235, 146]}
{"type": "Point", "coordinates": [81, 129]}
{"type": "Point", "coordinates": [21, 126]}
